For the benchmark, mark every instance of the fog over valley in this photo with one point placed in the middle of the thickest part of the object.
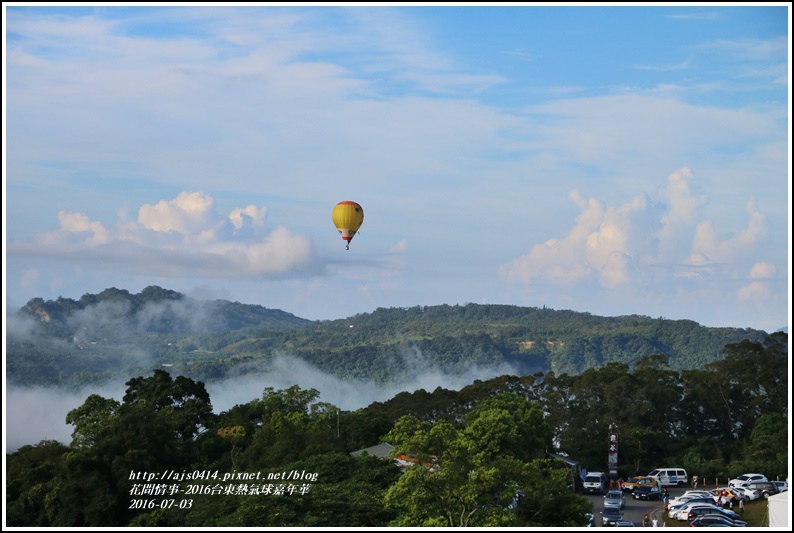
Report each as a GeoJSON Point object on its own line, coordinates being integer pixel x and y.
{"type": "Point", "coordinates": [106, 339]}
{"type": "Point", "coordinates": [38, 413]}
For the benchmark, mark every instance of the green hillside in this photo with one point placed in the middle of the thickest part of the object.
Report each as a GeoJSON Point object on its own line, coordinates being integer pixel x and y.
{"type": "Point", "coordinates": [116, 334]}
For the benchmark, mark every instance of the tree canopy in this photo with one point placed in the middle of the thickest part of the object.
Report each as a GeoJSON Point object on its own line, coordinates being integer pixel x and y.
{"type": "Point", "coordinates": [475, 456]}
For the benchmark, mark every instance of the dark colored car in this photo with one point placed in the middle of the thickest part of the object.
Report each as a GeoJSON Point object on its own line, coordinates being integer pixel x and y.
{"type": "Point", "coordinates": [610, 516]}
{"type": "Point", "coordinates": [647, 492]}
{"type": "Point", "coordinates": [764, 488]}
{"type": "Point", "coordinates": [710, 520]}
{"type": "Point", "coordinates": [711, 510]}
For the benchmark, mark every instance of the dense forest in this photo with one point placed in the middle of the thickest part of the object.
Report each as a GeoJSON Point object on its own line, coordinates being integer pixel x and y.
{"type": "Point", "coordinates": [72, 343]}
{"type": "Point", "coordinates": [478, 456]}
{"type": "Point", "coordinates": [711, 400]}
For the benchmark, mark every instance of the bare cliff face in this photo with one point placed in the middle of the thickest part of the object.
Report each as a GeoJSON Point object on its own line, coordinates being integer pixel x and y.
{"type": "Point", "coordinates": [43, 315]}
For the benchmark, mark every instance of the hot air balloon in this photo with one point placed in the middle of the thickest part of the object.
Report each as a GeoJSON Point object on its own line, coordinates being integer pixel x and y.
{"type": "Point", "coordinates": [348, 217]}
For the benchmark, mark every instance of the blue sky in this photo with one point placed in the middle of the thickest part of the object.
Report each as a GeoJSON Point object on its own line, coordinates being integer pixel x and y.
{"type": "Point", "coordinates": [611, 160]}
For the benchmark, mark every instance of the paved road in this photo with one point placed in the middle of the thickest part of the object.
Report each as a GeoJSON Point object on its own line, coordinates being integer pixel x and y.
{"type": "Point", "coordinates": [635, 509]}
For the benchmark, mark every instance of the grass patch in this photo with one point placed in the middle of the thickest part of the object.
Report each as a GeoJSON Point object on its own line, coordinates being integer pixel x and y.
{"type": "Point", "coordinates": [756, 513]}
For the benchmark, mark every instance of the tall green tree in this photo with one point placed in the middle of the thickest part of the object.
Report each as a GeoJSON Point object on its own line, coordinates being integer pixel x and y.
{"type": "Point", "coordinates": [152, 430]}
{"type": "Point", "coordinates": [469, 474]}
{"type": "Point", "coordinates": [32, 475]}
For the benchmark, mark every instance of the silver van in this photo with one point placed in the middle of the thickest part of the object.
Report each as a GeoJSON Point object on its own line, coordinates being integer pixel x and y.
{"type": "Point", "coordinates": [670, 476]}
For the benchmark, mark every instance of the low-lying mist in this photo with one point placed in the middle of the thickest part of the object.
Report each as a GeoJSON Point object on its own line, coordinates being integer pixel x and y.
{"type": "Point", "coordinates": [34, 414]}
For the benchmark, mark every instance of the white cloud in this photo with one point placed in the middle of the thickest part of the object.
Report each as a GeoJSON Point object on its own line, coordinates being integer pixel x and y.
{"type": "Point", "coordinates": [710, 247]}
{"type": "Point", "coordinates": [184, 214]}
{"type": "Point", "coordinates": [598, 244]}
{"type": "Point", "coordinates": [624, 245]}
{"type": "Point", "coordinates": [78, 223]}
{"type": "Point", "coordinates": [758, 291]}
{"type": "Point", "coordinates": [762, 270]}
{"type": "Point", "coordinates": [256, 214]}
{"type": "Point", "coordinates": [683, 210]}
{"type": "Point", "coordinates": [182, 236]}
{"type": "Point", "coordinates": [755, 291]}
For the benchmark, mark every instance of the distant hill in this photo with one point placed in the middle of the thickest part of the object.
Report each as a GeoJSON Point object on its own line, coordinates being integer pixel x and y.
{"type": "Point", "coordinates": [154, 310]}
{"type": "Point", "coordinates": [102, 336]}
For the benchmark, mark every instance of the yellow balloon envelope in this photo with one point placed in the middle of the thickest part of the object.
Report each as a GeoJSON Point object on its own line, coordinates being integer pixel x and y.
{"type": "Point", "coordinates": [348, 217]}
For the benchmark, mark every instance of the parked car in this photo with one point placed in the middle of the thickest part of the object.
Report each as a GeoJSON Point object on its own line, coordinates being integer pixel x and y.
{"type": "Point", "coordinates": [748, 494]}
{"type": "Point", "coordinates": [610, 516]}
{"type": "Point", "coordinates": [683, 512]}
{"type": "Point", "coordinates": [670, 476]}
{"type": "Point", "coordinates": [731, 494]}
{"type": "Point", "coordinates": [746, 479]}
{"type": "Point", "coordinates": [712, 520]}
{"type": "Point", "coordinates": [692, 500]}
{"type": "Point", "coordinates": [764, 488]}
{"type": "Point", "coordinates": [722, 497]}
{"type": "Point", "coordinates": [647, 492]}
{"type": "Point", "coordinates": [691, 494]}
{"type": "Point", "coordinates": [615, 498]}
{"type": "Point", "coordinates": [595, 483]}
{"type": "Point", "coordinates": [672, 510]}
{"type": "Point", "coordinates": [729, 513]}
{"type": "Point", "coordinates": [782, 486]}
{"type": "Point", "coordinates": [704, 510]}
{"type": "Point", "coordinates": [634, 482]}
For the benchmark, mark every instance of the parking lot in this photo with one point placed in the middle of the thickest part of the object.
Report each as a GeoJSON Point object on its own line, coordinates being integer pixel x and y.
{"type": "Point", "coordinates": [635, 509]}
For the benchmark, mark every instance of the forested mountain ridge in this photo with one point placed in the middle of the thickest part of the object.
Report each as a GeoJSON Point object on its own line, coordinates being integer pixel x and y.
{"type": "Point", "coordinates": [74, 342]}
{"type": "Point", "coordinates": [157, 310]}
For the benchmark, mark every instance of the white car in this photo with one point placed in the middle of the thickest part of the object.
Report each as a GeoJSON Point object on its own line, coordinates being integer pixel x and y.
{"type": "Point", "coordinates": [688, 495]}
{"type": "Point", "coordinates": [746, 479]}
{"type": "Point", "coordinates": [684, 511]}
{"type": "Point", "coordinates": [675, 505]}
{"type": "Point", "coordinates": [691, 499]}
{"type": "Point", "coordinates": [678, 509]}
{"type": "Point", "coordinates": [673, 510]}
{"type": "Point", "coordinates": [782, 486]}
{"type": "Point", "coordinates": [747, 494]}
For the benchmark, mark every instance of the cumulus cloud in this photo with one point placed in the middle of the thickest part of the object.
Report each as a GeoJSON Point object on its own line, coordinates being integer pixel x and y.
{"type": "Point", "coordinates": [758, 290]}
{"type": "Point", "coordinates": [77, 228]}
{"type": "Point", "coordinates": [256, 214]}
{"type": "Point", "coordinates": [754, 291]}
{"type": "Point", "coordinates": [191, 213]}
{"type": "Point", "coordinates": [597, 245]}
{"type": "Point", "coordinates": [182, 236]}
{"type": "Point", "coordinates": [762, 270]}
{"type": "Point", "coordinates": [683, 208]}
{"type": "Point", "coordinates": [709, 245]}
{"type": "Point", "coordinates": [621, 245]}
